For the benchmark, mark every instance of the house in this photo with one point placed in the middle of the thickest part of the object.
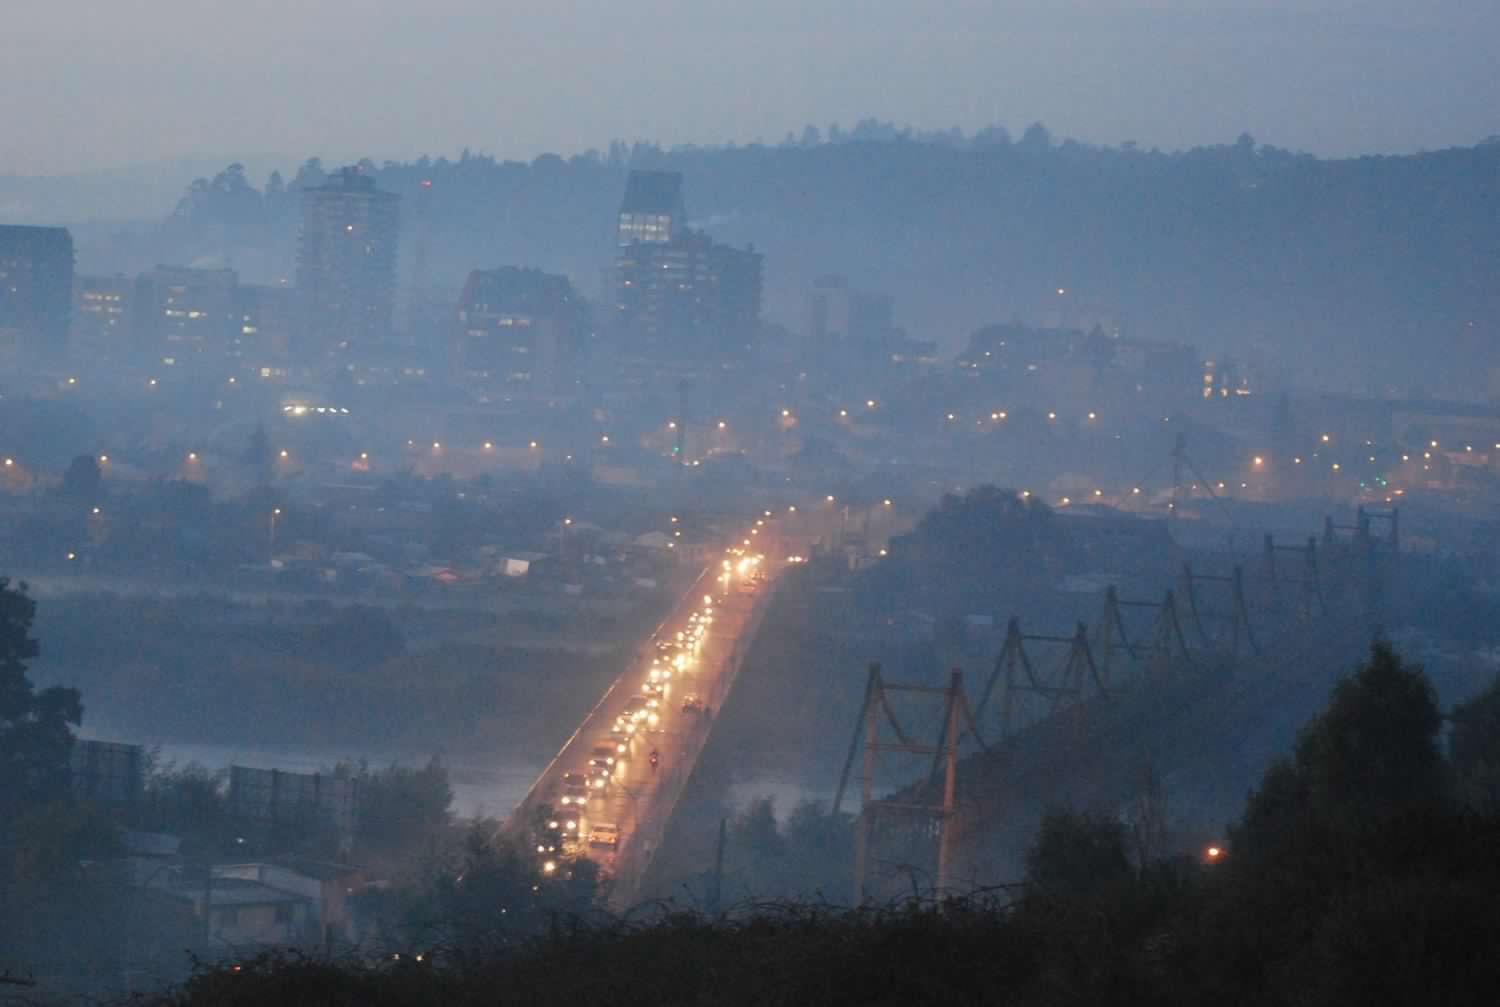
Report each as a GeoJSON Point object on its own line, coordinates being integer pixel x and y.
{"type": "Point", "coordinates": [654, 540]}
{"type": "Point", "coordinates": [327, 885]}
{"type": "Point", "coordinates": [243, 912]}
{"type": "Point", "coordinates": [519, 564]}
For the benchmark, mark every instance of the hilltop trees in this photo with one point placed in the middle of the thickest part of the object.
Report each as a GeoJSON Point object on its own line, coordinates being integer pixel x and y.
{"type": "Point", "coordinates": [980, 552]}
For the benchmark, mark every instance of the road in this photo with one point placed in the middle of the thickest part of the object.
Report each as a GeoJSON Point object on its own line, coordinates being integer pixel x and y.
{"type": "Point", "coordinates": [638, 798]}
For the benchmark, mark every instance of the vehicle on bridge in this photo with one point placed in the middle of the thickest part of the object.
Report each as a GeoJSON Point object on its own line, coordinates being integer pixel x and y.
{"type": "Point", "coordinates": [563, 825]}
{"type": "Point", "coordinates": [603, 757]}
{"type": "Point", "coordinates": [575, 789]}
{"type": "Point", "coordinates": [692, 703]}
{"type": "Point", "coordinates": [604, 834]}
{"type": "Point", "coordinates": [642, 709]}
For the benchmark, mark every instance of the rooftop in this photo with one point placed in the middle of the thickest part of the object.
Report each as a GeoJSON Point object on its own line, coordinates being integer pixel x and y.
{"type": "Point", "coordinates": [652, 192]}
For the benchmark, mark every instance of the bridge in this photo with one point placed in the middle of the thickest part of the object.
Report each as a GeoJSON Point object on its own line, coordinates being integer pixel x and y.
{"type": "Point", "coordinates": [1153, 696]}
{"type": "Point", "coordinates": [619, 820]}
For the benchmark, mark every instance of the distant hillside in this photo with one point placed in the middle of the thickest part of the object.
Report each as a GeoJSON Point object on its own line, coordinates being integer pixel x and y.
{"type": "Point", "coordinates": [1358, 272]}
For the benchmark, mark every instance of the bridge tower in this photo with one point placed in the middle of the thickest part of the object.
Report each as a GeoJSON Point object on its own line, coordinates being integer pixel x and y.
{"type": "Point", "coordinates": [1064, 688]}
{"type": "Point", "coordinates": [1237, 619]}
{"type": "Point", "coordinates": [1162, 647]}
{"type": "Point", "coordinates": [928, 815]}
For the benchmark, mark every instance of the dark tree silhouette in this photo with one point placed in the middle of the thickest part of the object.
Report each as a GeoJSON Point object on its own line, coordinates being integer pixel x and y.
{"type": "Point", "coordinates": [36, 734]}
{"type": "Point", "coordinates": [258, 455]}
{"type": "Point", "coordinates": [1077, 854]}
{"type": "Point", "coordinates": [1474, 750]}
{"type": "Point", "coordinates": [82, 480]}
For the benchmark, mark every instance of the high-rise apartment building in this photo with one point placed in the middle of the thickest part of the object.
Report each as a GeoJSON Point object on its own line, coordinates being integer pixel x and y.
{"type": "Point", "coordinates": [265, 318]}
{"type": "Point", "coordinates": [102, 325]}
{"type": "Point", "coordinates": [346, 264]}
{"type": "Point", "coordinates": [839, 316]}
{"type": "Point", "coordinates": [36, 294]}
{"type": "Point", "coordinates": [652, 210]}
{"type": "Point", "coordinates": [680, 297]}
{"type": "Point", "coordinates": [518, 332]}
{"type": "Point", "coordinates": [185, 316]}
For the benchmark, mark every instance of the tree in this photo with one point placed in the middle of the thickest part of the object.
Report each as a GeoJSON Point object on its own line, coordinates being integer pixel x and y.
{"type": "Point", "coordinates": [984, 551]}
{"type": "Point", "coordinates": [82, 481]}
{"type": "Point", "coordinates": [1077, 854]}
{"type": "Point", "coordinates": [399, 804]}
{"type": "Point", "coordinates": [1036, 139]}
{"type": "Point", "coordinates": [756, 850]}
{"type": "Point", "coordinates": [819, 852]}
{"type": "Point", "coordinates": [1373, 753]}
{"type": "Point", "coordinates": [36, 736]}
{"type": "Point", "coordinates": [1474, 750]}
{"type": "Point", "coordinates": [258, 455]}
{"type": "Point", "coordinates": [1370, 757]}
{"type": "Point", "coordinates": [499, 892]}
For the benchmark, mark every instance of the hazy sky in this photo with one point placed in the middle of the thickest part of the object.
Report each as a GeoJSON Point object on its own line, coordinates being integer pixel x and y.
{"type": "Point", "coordinates": [95, 83]}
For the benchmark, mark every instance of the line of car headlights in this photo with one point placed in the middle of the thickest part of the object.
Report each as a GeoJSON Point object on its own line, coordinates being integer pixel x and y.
{"type": "Point", "coordinates": [563, 829]}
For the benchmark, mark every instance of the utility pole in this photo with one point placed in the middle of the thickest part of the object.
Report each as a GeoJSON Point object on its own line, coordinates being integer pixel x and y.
{"type": "Point", "coordinates": [716, 894]}
{"type": "Point", "coordinates": [1179, 455]}
{"type": "Point", "coordinates": [208, 905]}
{"type": "Point", "coordinates": [866, 793]}
{"type": "Point", "coordinates": [949, 755]}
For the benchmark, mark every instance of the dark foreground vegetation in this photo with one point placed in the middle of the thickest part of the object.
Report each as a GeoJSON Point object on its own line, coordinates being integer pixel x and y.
{"type": "Point", "coordinates": [1363, 871]}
